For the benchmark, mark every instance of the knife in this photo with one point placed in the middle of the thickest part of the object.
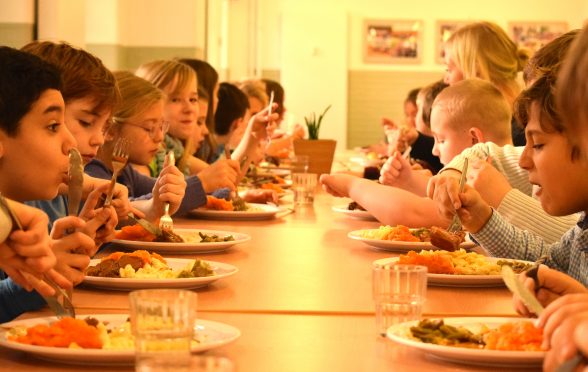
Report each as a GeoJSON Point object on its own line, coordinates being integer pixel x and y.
{"type": "Point", "coordinates": [518, 288]}
{"type": "Point", "coordinates": [75, 182]}
{"type": "Point", "coordinates": [151, 228]}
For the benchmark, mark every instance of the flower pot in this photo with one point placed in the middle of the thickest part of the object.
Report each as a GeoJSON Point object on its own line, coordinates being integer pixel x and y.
{"type": "Point", "coordinates": [319, 152]}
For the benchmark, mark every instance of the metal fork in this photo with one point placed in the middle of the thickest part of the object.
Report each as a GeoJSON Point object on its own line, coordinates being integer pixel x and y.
{"type": "Point", "coordinates": [67, 309]}
{"type": "Point", "coordinates": [455, 225]}
{"type": "Point", "coordinates": [120, 156]}
{"type": "Point", "coordinates": [166, 222]}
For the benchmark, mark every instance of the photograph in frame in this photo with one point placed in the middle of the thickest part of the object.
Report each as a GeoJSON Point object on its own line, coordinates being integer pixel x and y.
{"type": "Point", "coordinates": [392, 41]}
{"type": "Point", "coordinates": [534, 35]}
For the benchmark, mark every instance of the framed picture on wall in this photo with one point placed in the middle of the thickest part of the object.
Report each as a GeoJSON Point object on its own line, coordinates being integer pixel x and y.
{"type": "Point", "coordinates": [392, 41]}
{"type": "Point", "coordinates": [533, 35]}
{"type": "Point", "coordinates": [444, 30]}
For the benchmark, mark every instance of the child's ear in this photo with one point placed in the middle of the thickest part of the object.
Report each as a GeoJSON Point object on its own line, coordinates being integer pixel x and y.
{"type": "Point", "coordinates": [476, 135]}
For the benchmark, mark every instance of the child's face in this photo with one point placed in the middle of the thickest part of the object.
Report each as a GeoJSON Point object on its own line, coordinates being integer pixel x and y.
{"type": "Point", "coordinates": [410, 113]}
{"type": "Point", "coordinates": [87, 126]}
{"type": "Point", "coordinates": [145, 140]}
{"type": "Point", "coordinates": [452, 73]}
{"type": "Point", "coordinates": [181, 110]}
{"type": "Point", "coordinates": [200, 130]}
{"type": "Point", "coordinates": [35, 162]}
{"type": "Point", "coordinates": [561, 183]}
{"type": "Point", "coordinates": [449, 141]}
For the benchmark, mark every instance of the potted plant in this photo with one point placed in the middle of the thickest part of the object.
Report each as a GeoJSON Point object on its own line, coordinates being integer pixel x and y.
{"type": "Point", "coordinates": [319, 151]}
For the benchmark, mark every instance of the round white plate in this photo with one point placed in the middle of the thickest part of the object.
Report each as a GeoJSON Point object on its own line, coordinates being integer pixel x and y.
{"type": "Point", "coordinates": [399, 246]}
{"type": "Point", "coordinates": [221, 270]}
{"type": "Point", "coordinates": [210, 334]}
{"type": "Point", "coordinates": [264, 212]}
{"type": "Point", "coordinates": [401, 333]}
{"type": "Point", "coordinates": [356, 213]}
{"type": "Point", "coordinates": [242, 194]}
{"type": "Point", "coordinates": [447, 280]}
{"type": "Point", "coordinates": [187, 247]}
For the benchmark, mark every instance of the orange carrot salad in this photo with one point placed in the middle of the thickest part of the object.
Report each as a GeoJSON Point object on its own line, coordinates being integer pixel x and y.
{"type": "Point", "coordinates": [63, 333]}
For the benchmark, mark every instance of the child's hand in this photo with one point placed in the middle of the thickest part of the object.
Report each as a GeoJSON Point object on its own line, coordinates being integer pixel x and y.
{"type": "Point", "coordinates": [72, 251]}
{"type": "Point", "coordinates": [100, 223]}
{"type": "Point", "coordinates": [170, 187]}
{"type": "Point", "coordinates": [396, 171]}
{"type": "Point", "coordinates": [222, 173]}
{"type": "Point", "coordinates": [566, 341]}
{"type": "Point", "coordinates": [336, 184]}
{"type": "Point", "coordinates": [469, 205]}
{"type": "Point", "coordinates": [553, 284]}
{"type": "Point", "coordinates": [262, 125]}
{"type": "Point", "coordinates": [489, 182]}
{"type": "Point", "coordinates": [558, 311]}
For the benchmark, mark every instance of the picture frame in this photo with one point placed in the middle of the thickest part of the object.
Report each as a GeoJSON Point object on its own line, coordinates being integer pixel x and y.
{"type": "Point", "coordinates": [534, 35]}
{"type": "Point", "coordinates": [443, 30]}
{"type": "Point", "coordinates": [392, 41]}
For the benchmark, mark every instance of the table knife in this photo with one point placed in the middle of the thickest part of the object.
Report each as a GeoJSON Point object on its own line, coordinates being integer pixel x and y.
{"type": "Point", "coordinates": [518, 288]}
{"type": "Point", "coordinates": [75, 182]}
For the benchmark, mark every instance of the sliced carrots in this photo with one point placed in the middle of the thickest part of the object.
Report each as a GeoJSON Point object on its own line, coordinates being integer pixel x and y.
{"type": "Point", "coordinates": [63, 333]}
{"type": "Point", "coordinates": [143, 254]}
{"type": "Point", "coordinates": [218, 204]}
{"type": "Point", "coordinates": [136, 233]}
{"type": "Point", "coordinates": [516, 336]}
{"type": "Point", "coordinates": [435, 264]}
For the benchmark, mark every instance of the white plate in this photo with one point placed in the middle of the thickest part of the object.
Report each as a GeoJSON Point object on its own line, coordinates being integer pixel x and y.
{"type": "Point", "coordinates": [398, 246]}
{"type": "Point", "coordinates": [265, 212]}
{"type": "Point", "coordinates": [186, 248]}
{"type": "Point", "coordinates": [401, 333]}
{"type": "Point", "coordinates": [221, 270]}
{"type": "Point", "coordinates": [242, 193]}
{"type": "Point", "coordinates": [356, 213]}
{"type": "Point", "coordinates": [447, 280]}
{"type": "Point", "coordinates": [212, 335]}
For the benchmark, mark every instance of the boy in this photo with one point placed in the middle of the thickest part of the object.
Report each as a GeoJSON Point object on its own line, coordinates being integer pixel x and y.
{"type": "Point", "coordinates": [31, 117]}
{"type": "Point", "coordinates": [466, 113]}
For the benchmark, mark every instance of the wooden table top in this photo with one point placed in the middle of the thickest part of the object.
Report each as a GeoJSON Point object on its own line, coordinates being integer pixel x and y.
{"type": "Point", "coordinates": [301, 298]}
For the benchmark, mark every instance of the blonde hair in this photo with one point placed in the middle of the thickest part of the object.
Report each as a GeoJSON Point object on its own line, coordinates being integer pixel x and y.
{"type": "Point", "coordinates": [254, 88]}
{"type": "Point", "coordinates": [484, 50]}
{"type": "Point", "coordinates": [572, 86]}
{"type": "Point", "coordinates": [138, 95]}
{"type": "Point", "coordinates": [476, 103]}
{"type": "Point", "coordinates": [170, 76]}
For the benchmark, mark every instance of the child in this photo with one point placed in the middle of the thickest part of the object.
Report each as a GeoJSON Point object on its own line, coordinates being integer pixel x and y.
{"type": "Point", "coordinates": [31, 117]}
{"type": "Point", "coordinates": [484, 50]}
{"type": "Point", "coordinates": [139, 119]}
{"type": "Point", "coordinates": [231, 117]}
{"type": "Point", "coordinates": [495, 172]}
{"type": "Point", "coordinates": [566, 300]}
{"type": "Point", "coordinates": [398, 171]}
{"type": "Point", "coordinates": [469, 112]}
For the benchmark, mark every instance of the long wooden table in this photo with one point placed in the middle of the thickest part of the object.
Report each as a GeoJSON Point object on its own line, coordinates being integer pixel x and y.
{"type": "Point", "coordinates": [302, 298]}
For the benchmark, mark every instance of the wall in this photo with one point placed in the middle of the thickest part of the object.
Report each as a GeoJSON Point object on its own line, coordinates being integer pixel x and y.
{"type": "Point", "coordinates": [16, 22]}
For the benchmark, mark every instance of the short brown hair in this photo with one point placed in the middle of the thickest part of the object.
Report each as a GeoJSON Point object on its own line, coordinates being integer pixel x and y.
{"type": "Point", "coordinates": [83, 75]}
{"type": "Point", "coordinates": [572, 85]}
{"type": "Point", "coordinates": [540, 92]}
{"type": "Point", "coordinates": [477, 103]}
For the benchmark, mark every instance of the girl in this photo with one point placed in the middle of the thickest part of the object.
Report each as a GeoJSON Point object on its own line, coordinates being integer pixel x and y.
{"type": "Point", "coordinates": [485, 51]}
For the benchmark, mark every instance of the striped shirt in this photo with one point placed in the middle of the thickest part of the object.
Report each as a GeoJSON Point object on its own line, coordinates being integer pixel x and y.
{"type": "Point", "coordinates": [518, 207]}
{"type": "Point", "coordinates": [569, 255]}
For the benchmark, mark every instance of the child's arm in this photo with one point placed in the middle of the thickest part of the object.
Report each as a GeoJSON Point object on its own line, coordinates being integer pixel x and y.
{"type": "Point", "coordinates": [72, 251]}
{"type": "Point", "coordinates": [390, 205]}
{"type": "Point", "coordinates": [220, 174]}
{"type": "Point", "coordinates": [257, 129]}
{"type": "Point", "coordinates": [398, 172]}
{"type": "Point", "coordinates": [170, 187]}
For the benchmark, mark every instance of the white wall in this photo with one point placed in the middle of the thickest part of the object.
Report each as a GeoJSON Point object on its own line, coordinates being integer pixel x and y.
{"type": "Point", "coordinates": [16, 11]}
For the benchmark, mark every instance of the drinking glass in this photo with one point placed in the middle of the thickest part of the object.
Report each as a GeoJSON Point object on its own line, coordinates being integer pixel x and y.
{"type": "Point", "coordinates": [399, 292]}
{"type": "Point", "coordinates": [304, 186]}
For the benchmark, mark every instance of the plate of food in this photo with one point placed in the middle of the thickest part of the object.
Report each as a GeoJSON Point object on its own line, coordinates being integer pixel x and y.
{"type": "Point", "coordinates": [498, 342]}
{"type": "Point", "coordinates": [220, 209]}
{"type": "Point", "coordinates": [195, 240]}
{"type": "Point", "coordinates": [103, 339]}
{"type": "Point", "coordinates": [354, 210]}
{"type": "Point", "coordinates": [403, 239]}
{"type": "Point", "coordinates": [140, 270]}
{"type": "Point", "coordinates": [458, 268]}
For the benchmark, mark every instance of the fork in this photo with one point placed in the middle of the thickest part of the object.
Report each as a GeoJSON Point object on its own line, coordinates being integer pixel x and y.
{"type": "Point", "coordinates": [166, 222]}
{"type": "Point", "coordinates": [120, 156]}
{"type": "Point", "coordinates": [67, 309]}
{"type": "Point", "coordinates": [455, 225]}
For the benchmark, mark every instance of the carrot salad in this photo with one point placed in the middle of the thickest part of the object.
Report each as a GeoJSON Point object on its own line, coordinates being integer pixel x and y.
{"type": "Point", "coordinates": [516, 336]}
{"type": "Point", "coordinates": [66, 332]}
{"type": "Point", "coordinates": [136, 233]}
{"type": "Point", "coordinates": [218, 204]}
